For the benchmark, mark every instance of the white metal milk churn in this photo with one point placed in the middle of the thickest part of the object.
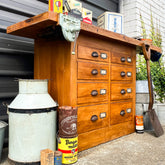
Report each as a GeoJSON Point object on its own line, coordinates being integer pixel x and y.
{"type": "Point", "coordinates": [32, 122]}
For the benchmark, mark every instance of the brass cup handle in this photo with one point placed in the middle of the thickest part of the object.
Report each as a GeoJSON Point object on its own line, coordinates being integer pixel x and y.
{"type": "Point", "coordinates": [122, 74]}
{"type": "Point", "coordinates": [122, 59]}
{"type": "Point", "coordinates": [94, 93]}
{"type": "Point", "coordinates": [94, 72]}
{"type": "Point", "coordinates": [94, 118]}
{"type": "Point", "coordinates": [123, 91]}
{"type": "Point", "coordinates": [95, 54]}
{"type": "Point", "coordinates": [122, 113]}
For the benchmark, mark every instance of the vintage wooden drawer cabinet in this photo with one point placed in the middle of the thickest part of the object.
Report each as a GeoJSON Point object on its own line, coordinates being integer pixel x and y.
{"type": "Point", "coordinates": [99, 79]}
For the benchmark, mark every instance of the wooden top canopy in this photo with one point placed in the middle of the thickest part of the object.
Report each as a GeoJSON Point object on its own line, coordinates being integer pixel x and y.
{"type": "Point", "coordinates": [34, 26]}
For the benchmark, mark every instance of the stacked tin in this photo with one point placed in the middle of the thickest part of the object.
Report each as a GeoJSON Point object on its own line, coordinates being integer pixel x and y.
{"type": "Point", "coordinates": [68, 140]}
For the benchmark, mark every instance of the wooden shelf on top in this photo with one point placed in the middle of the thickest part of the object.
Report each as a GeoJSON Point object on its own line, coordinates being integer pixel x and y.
{"type": "Point", "coordinates": [34, 26]}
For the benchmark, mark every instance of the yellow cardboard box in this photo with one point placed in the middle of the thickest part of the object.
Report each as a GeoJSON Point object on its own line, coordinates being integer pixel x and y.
{"type": "Point", "coordinates": [56, 6]}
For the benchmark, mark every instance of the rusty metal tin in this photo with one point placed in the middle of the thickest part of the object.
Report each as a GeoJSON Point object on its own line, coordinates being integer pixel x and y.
{"type": "Point", "coordinates": [67, 121]}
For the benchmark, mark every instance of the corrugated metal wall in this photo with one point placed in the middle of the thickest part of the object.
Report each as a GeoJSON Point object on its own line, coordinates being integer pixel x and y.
{"type": "Point", "coordinates": [16, 53]}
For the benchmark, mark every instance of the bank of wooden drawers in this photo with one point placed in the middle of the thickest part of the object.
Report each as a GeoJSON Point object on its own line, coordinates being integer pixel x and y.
{"type": "Point", "coordinates": [99, 113]}
{"type": "Point", "coordinates": [122, 89]}
{"type": "Point", "coordinates": [121, 112]}
{"type": "Point", "coordinates": [103, 104]}
{"type": "Point", "coordinates": [92, 92]}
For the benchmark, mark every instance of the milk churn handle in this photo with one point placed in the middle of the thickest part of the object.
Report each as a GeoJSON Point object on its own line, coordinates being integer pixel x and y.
{"type": "Point", "coordinates": [147, 55]}
{"type": "Point", "coordinates": [6, 106]}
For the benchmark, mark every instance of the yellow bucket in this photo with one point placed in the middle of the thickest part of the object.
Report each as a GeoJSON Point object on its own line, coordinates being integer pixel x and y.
{"type": "Point", "coordinates": [69, 148]}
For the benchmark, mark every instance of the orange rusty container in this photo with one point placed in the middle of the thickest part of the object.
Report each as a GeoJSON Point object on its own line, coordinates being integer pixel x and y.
{"type": "Point", "coordinates": [139, 124]}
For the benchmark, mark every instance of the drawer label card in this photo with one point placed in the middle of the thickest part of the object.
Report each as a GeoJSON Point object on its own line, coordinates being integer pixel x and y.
{"type": "Point", "coordinates": [129, 60]}
{"type": "Point", "coordinates": [103, 55]}
{"type": "Point", "coordinates": [103, 91]}
{"type": "Point", "coordinates": [102, 115]}
{"type": "Point", "coordinates": [129, 110]}
{"type": "Point", "coordinates": [129, 90]}
{"type": "Point", "coordinates": [103, 71]}
{"type": "Point", "coordinates": [129, 74]}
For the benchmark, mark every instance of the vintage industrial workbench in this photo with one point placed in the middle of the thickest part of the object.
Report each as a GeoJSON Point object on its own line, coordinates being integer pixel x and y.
{"type": "Point", "coordinates": [99, 79]}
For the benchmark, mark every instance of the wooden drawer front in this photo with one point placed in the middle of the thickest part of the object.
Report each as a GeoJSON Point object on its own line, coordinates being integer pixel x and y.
{"type": "Point", "coordinates": [93, 54]}
{"type": "Point", "coordinates": [121, 73]}
{"type": "Point", "coordinates": [88, 70]}
{"type": "Point", "coordinates": [99, 113]}
{"type": "Point", "coordinates": [121, 91]}
{"type": "Point", "coordinates": [91, 139]}
{"type": "Point", "coordinates": [121, 112]}
{"type": "Point", "coordinates": [122, 58]}
{"type": "Point", "coordinates": [92, 92]}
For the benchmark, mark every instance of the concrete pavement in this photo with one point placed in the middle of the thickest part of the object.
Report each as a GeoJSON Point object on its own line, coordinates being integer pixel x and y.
{"type": "Point", "coordinates": [133, 149]}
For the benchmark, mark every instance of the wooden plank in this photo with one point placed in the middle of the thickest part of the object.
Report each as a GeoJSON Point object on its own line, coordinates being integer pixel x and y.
{"type": "Point", "coordinates": [114, 36]}
{"type": "Point", "coordinates": [119, 130]}
{"type": "Point", "coordinates": [33, 26]}
{"type": "Point", "coordinates": [102, 135]}
{"type": "Point", "coordinates": [91, 138]}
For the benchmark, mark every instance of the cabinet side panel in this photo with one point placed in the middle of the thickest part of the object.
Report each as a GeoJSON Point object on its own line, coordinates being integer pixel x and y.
{"type": "Point", "coordinates": [42, 62]}
{"type": "Point", "coordinates": [52, 61]}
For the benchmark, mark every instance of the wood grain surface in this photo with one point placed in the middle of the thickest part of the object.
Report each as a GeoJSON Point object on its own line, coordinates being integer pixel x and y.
{"type": "Point", "coordinates": [85, 114]}
{"type": "Point", "coordinates": [118, 70]}
{"type": "Point", "coordinates": [116, 58]}
{"type": "Point", "coordinates": [119, 130]}
{"type": "Point", "coordinates": [31, 27]}
{"type": "Point", "coordinates": [116, 108]}
{"type": "Point", "coordinates": [34, 26]}
{"type": "Point", "coordinates": [85, 70]}
{"type": "Point", "coordinates": [91, 138]}
{"type": "Point", "coordinates": [52, 62]}
{"type": "Point", "coordinates": [86, 53]}
{"type": "Point", "coordinates": [116, 89]}
{"type": "Point", "coordinates": [85, 92]}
